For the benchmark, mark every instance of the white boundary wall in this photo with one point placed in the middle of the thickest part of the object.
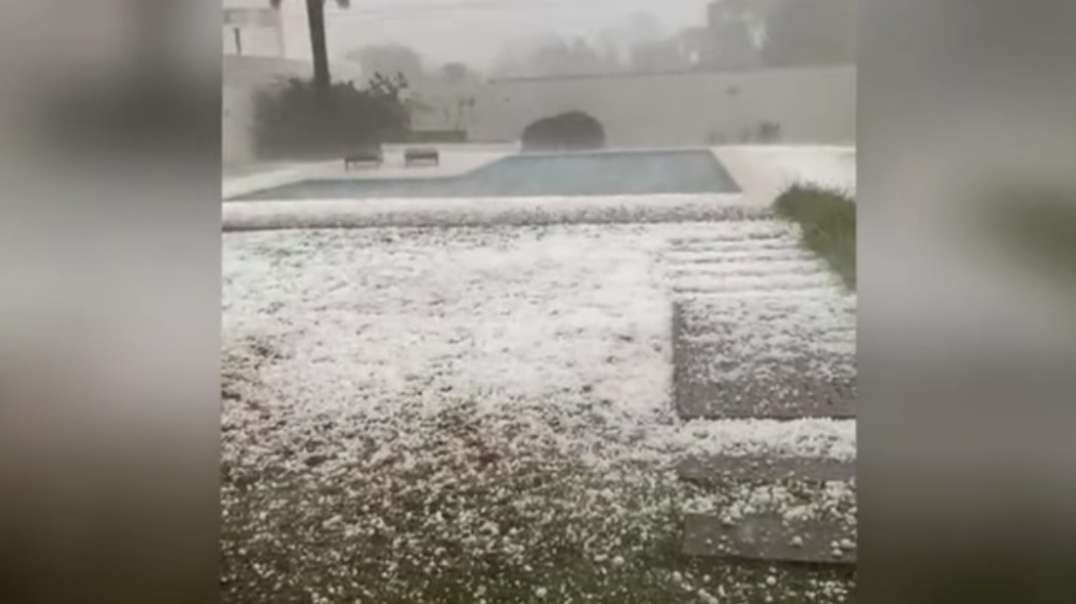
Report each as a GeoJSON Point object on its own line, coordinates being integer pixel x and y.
{"type": "Point", "coordinates": [812, 105]}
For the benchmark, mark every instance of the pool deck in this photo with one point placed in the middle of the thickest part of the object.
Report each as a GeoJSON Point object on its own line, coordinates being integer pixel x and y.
{"type": "Point", "coordinates": [453, 162]}
{"type": "Point", "coordinates": [765, 171]}
{"type": "Point", "coordinates": [762, 172]}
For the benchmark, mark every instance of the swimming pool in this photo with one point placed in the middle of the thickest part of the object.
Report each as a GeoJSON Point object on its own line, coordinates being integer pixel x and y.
{"type": "Point", "coordinates": [528, 175]}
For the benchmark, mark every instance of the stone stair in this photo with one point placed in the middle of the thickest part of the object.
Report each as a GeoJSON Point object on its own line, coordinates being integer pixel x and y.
{"type": "Point", "coordinates": [763, 330]}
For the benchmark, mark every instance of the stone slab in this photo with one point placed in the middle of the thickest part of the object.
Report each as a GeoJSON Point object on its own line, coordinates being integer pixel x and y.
{"type": "Point", "coordinates": [779, 357]}
{"type": "Point", "coordinates": [768, 539]}
{"type": "Point", "coordinates": [715, 469]}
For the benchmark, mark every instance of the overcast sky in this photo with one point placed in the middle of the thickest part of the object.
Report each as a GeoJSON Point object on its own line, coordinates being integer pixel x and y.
{"type": "Point", "coordinates": [473, 31]}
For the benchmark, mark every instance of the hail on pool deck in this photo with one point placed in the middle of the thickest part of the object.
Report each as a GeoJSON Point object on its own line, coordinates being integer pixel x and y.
{"type": "Point", "coordinates": [423, 415]}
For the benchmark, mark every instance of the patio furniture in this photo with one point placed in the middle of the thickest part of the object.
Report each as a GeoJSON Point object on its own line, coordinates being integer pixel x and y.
{"type": "Point", "coordinates": [416, 155]}
{"type": "Point", "coordinates": [366, 156]}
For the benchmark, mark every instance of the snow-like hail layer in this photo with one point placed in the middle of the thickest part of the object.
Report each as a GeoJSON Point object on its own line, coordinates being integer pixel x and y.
{"type": "Point", "coordinates": [572, 318]}
{"type": "Point", "coordinates": [420, 399]}
{"type": "Point", "coordinates": [538, 210]}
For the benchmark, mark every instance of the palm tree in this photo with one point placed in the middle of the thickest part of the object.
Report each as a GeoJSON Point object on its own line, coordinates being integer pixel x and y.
{"type": "Point", "coordinates": [315, 13]}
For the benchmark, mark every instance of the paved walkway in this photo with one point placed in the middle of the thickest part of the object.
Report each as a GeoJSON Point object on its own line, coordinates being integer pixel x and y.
{"type": "Point", "coordinates": [763, 330]}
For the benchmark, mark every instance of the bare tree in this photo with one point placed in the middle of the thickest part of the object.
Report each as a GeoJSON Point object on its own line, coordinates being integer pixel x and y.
{"type": "Point", "coordinates": [550, 54]}
{"type": "Point", "coordinates": [315, 13]}
{"type": "Point", "coordinates": [811, 32]}
{"type": "Point", "coordinates": [390, 59]}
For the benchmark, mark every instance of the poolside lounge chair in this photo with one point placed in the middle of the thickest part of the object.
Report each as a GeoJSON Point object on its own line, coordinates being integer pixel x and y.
{"type": "Point", "coordinates": [366, 155]}
{"type": "Point", "coordinates": [416, 155]}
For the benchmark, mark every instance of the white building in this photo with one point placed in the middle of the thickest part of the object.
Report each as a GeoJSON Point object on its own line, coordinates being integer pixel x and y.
{"type": "Point", "coordinates": [252, 29]}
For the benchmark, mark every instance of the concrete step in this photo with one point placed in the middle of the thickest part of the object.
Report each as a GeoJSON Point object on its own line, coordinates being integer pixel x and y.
{"type": "Point", "coordinates": [711, 296]}
{"type": "Point", "coordinates": [754, 285]}
{"type": "Point", "coordinates": [775, 269]}
{"type": "Point", "coordinates": [680, 257]}
{"type": "Point", "coordinates": [773, 399]}
{"type": "Point", "coordinates": [769, 538]}
{"type": "Point", "coordinates": [764, 234]}
{"type": "Point", "coordinates": [713, 470]}
{"type": "Point", "coordinates": [772, 357]}
{"type": "Point", "coordinates": [785, 244]}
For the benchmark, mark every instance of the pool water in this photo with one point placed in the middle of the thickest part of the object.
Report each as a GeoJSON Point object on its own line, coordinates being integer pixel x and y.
{"type": "Point", "coordinates": [599, 173]}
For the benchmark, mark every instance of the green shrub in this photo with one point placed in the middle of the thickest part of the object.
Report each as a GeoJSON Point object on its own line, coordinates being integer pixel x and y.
{"type": "Point", "coordinates": [828, 222]}
{"type": "Point", "coordinates": [565, 132]}
{"type": "Point", "coordinates": [304, 121]}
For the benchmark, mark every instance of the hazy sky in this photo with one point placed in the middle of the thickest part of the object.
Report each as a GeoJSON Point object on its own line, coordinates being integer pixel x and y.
{"type": "Point", "coordinates": [474, 31]}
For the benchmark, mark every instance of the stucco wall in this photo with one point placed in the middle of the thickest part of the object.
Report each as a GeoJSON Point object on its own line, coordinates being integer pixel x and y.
{"type": "Point", "coordinates": [812, 105]}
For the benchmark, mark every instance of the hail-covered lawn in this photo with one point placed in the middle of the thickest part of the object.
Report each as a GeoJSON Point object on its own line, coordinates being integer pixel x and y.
{"type": "Point", "coordinates": [480, 414]}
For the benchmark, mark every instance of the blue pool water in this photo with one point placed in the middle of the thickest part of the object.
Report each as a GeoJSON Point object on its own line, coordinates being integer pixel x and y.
{"type": "Point", "coordinates": [600, 173]}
